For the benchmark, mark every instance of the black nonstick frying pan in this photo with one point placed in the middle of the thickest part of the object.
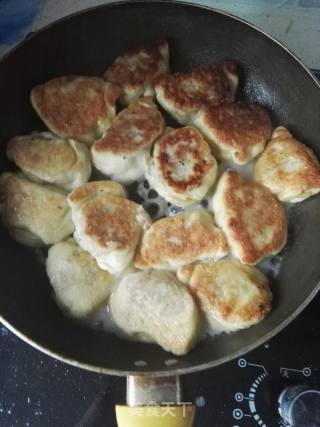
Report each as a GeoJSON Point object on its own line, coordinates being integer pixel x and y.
{"type": "Point", "coordinates": [86, 43]}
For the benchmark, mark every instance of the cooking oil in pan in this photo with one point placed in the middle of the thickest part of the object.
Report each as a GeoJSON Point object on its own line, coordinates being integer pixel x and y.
{"type": "Point", "coordinates": [157, 207]}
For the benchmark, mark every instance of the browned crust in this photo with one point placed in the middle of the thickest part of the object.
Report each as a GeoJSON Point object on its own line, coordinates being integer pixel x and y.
{"type": "Point", "coordinates": [160, 241]}
{"type": "Point", "coordinates": [246, 223]}
{"type": "Point", "coordinates": [186, 142]}
{"type": "Point", "coordinates": [246, 313]}
{"type": "Point", "coordinates": [238, 126]}
{"type": "Point", "coordinates": [189, 91]}
{"type": "Point", "coordinates": [72, 106]}
{"type": "Point", "coordinates": [111, 221]}
{"type": "Point", "coordinates": [35, 152]}
{"type": "Point", "coordinates": [304, 179]}
{"type": "Point", "coordinates": [96, 188]}
{"type": "Point", "coordinates": [201, 284]}
{"type": "Point", "coordinates": [145, 70]}
{"type": "Point", "coordinates": [141, 116]}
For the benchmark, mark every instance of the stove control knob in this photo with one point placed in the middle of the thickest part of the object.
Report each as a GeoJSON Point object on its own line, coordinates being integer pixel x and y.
{"type": "Point", "coordinates": [299, 405]}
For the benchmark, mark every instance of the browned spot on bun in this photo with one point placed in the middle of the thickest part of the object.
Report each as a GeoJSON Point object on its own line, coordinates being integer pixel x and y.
{"type": "Point", "coordinates": [184, 145]}
{"type": "Point", "coordinates": [190, 90]}
{"type": "Point", "coordinates": [136, 66]}
{"type": "Point", "coordinates": [107, 225]}
{"type": "Point", "coordinates": [135, 71]}
{"type": "Point", "coordinates": [94, 189]}
{"type": "Point", "coordinates": [252, 218]}
{"type": "Point", "coordinates": [134, 128]}
{"type": "Point", "coordinates": [288, 168]}
{"type": "Point", "coordinates": [185, 93]}
{"type": "Point", "coordinates": [36, 152]}
{"type": "Point", "coordinates": [179, 240]}
{"type": "Point", "coordinates": [75, 107]}
{"type": "Point", "coordinates": [111, 221]}
{"type": "Point", "coordinates": [239, 130]}
{"type": "Point", "coordinates": [229, 292]}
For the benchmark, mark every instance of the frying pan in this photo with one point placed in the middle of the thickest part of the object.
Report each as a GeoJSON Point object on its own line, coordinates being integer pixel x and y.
{"type": "Point", "coordinates": [86, 43]}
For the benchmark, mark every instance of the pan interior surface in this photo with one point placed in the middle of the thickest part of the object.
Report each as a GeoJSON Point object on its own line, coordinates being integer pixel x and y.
{"type": "Point", "coordinates": [86, 44]}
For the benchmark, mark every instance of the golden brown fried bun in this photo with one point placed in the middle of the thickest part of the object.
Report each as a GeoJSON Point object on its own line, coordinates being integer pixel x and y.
{"type": "Point", "coordinates": [181, 239]}
{"type": "Point", "coordinates": [94, 189]}
{"type": "Point", "coordinates": [80, 286]}
{"type": "Point", "coordinates": [288, 168]}
{"type": "Point", "coordinates": [154, 305]}
{"type": "Point", "coordinates": [119, 153]}
{"type": "Point", "coordinates": [238, 131]}
{"type": "Point", "coordinates": [231, 295]}
{"type": "Point", "coordinates": [76, 107]}
{"type": "Point", "coordinates": [183, 94]}
{"type": "Point", "coordinates": [136, 71]}
{"type": "Point", "coordinates": [45, 158]}
{"type": "Point", "coordinates": [251, 217]}
{"type": "Point", "coordinates": [107, 225]}
{"type": "Point", "coordinates": [182, 168]}
{"type": "Point", "coordinates": [35, 214]}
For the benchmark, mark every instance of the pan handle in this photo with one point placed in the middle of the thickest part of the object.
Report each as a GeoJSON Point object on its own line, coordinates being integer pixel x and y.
{"type": "Point", "coordinates": [154, 401]}
{"type": "Point", "coordinates": [146, 416]}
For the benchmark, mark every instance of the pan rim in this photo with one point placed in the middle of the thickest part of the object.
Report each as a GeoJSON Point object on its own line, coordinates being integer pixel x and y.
{"type": "Point", "coordinates": [174, 371]}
